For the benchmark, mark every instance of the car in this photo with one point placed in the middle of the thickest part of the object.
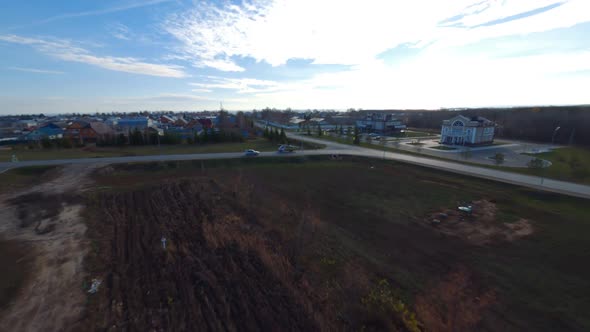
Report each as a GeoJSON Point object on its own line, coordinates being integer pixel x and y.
{"type": "Point", "coordinates": [286, 148]}
{"type": "Point", "coordinates": [251, 153]}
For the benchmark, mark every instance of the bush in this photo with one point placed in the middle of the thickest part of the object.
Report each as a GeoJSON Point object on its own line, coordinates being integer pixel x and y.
{"type": "Point", "coordinates": [499, 158]}
{"type": "Point", "coordinates": [46, 143]}
{"type": "Point", "coordinates": [384, 302]}
{"type": "Point", "coordinates": [536, 163]}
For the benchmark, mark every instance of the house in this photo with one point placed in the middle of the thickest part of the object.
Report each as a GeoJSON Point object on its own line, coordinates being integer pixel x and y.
{"type": "Point", "coordinates": [102, 130]}
{"type": "Point", "coordinates": [50, 131]}
{"type": "Point", "coordinates": [461, 130]}
{"type": "Point", "coordinates": [381, 123]}
{"type": "Point", "coordinates": [207, 123]}
{"type": "Point", "coordinates": [130, 124]}
{"type": "Point", "coordinates": [85, 132]}
{"type": "Point", "coordinates": [167, 119]}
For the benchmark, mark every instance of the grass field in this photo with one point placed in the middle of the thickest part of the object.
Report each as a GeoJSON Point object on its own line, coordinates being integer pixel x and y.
{"type": "Point", "coordinates": [14, 179]}
{"type": "Point", "coordinates": [24, 154]}
{"type": "Point", "coordinates": [442, 147]}
{"type": "Point", "coordinates": [568, 164]}
{"type": "Point", "coordinates": [370, 217]}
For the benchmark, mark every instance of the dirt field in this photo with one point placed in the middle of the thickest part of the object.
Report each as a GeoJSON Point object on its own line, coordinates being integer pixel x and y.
{"type": "Point", "coordinates": [45, 223]}
{"type": "Point", "coordinates": [480, 227]}
{"type": "Point", "coordinates": [297, 244]}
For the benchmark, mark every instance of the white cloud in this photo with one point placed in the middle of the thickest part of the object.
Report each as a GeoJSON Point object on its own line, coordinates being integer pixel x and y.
{"type": "Point", "coordinates": [35, 70]}
{"type": "Point", "coordinates": [348, 32]}
{"type": "Point", "coordinates": [239, 85]}
{"type": "Point", "coordinates": [65, 50]}
{"type": "Point", "coordinates": [356, 32]}
{"type": "Point", "coordinates": [119, 31]}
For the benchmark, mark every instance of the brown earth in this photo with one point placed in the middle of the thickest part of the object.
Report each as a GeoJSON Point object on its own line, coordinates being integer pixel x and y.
{"type": "Point", "coordinates": [481, 226]}
{"type": "Point", "coordinates": [45, 221]}
{"type": "Point", "coordinates": [220, 270]}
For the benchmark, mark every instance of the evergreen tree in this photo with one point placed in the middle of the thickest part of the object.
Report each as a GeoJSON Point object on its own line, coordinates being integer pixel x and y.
{"type": "Point", "coordinates": [283, 136]}
{"type": "Point", "coordinates": [357, 136]}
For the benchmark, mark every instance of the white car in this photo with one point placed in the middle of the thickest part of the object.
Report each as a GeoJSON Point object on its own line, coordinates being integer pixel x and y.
{"type": "Point", "coordinates": [251, 153]}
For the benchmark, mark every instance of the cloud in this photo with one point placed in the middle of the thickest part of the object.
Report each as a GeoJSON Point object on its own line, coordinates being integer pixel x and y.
{"type": "Point", "coordinates": [239, 85]}
{"type": "Point", "coordinates": [65, 50]}
{"type": "Point", "coordinates": [35, 70]}
{"type": "Point", "coordinates": [120, 31]}
{"type": "Point", "coordinates": [351, 32]}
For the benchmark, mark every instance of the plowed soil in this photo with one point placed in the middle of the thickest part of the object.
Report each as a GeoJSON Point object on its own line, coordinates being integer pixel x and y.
{"type": "Point", "coordinates": [218, 272]}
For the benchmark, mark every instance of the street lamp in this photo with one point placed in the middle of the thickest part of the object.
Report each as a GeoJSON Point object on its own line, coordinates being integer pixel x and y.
{"type": "Point", "coordinates": [554, 133]}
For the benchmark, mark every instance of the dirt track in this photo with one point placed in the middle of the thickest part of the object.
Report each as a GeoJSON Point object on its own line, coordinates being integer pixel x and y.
{"type": "Point", "coordinates": [46, 218]}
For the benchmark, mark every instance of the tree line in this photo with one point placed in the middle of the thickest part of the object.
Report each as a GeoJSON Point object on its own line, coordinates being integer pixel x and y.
{"type": "Point", "coordinates": [138, 138]}
{"type": "Point", "coordinates": [274, 135]}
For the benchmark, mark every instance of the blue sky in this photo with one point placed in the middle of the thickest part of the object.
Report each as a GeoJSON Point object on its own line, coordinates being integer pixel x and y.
{"type": "Point", "coordinates": [129, 55]}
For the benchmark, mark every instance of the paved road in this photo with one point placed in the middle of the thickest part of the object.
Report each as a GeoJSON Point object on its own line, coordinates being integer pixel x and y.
{"type": "Point", "coordinates": [535, 182]}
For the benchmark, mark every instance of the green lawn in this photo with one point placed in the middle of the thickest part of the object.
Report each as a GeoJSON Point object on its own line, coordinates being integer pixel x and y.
{"type": "Point", "coordinates": [24, 154]}
{"type": "Point", "coordinates": [442, 147]}
{"type": "Point", "coordinates": [370, 211]}
{"type": "Point", "coordinates": [411, 133]}
{"type": "Point", "coordinates": [568, 164]}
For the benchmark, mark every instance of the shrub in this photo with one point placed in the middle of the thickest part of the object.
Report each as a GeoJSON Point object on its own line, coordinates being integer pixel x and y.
{"type": "Point", "coordinates": [384, 301]}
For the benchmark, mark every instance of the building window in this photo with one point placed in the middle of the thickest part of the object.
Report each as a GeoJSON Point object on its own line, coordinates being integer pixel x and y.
{"type": "Point", "coordinates": [458, 124]}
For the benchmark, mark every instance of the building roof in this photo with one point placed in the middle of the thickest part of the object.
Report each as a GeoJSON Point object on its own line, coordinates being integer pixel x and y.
{"type": "Point", "coordinates": [475, 121]}
{"type": "Point", "coordinates": [101, 128]}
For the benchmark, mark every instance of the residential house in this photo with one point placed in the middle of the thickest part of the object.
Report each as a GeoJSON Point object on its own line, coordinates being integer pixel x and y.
{"type": "Point", "coordinates": [50, 131]}
{"type": "Point", "coordinates": [461, 130]}
{"type": "Point", "coordinates": [380, 123]}
{"type": "Point", "coordinates": [129, 124]}
{"type": "Point", "coordinates": [87, 132]}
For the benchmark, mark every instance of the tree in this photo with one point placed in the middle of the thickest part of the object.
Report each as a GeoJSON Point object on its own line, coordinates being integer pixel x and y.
{"type": "Point", "coordinates": [357, 136]}
{"type": "Point", "coordinates": [341, 131]}
{"type": "Point", "coordinates": [121, 139]}
{"type": "Point", "coordinates": [320, 133]}
{"type": "Point", "coordinates": [536, 163]}
{"type": "Point", "coordinates": [46, 143]}
{"type": "Point", "coordinates": [283, 136]}
{"type": "Point", "coordinates": [136, 138]}
{"type": "Point", "coordinates": [499, 158]}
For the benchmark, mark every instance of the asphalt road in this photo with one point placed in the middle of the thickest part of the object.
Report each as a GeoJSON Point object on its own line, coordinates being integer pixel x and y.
{"type": "Point", "coordinates": [535, 182]}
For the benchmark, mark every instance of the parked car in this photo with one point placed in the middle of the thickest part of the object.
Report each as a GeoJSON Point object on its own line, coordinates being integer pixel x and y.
{"type": "Point", "coordinates": [251, 153]}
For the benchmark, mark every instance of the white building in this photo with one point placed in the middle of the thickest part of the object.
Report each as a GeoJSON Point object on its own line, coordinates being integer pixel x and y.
{"type": "Point", "coordinates": [378, 122]}
{"type": "Point", "coordinates": [461, 130]}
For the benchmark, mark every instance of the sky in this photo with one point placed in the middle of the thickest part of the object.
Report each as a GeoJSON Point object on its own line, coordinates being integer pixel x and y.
{"type": "Point", "coordinates": [65, 56]}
